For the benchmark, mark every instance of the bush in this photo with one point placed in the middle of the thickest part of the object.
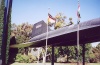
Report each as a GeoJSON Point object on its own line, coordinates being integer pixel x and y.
{"type": "Point", "coordinates": [25, 58]}
{"type": "Point", "coordinates": [72, 60]}
{"type": "Point", "coordinates": [92, 58]}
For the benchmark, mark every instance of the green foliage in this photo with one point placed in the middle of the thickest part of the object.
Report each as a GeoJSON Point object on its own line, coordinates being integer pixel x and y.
{"type": "Point", "coordinates": [8, 37]}
{"type": "Point", "coordinates": [95, 54]}
{"type": "Point", "coordinates": [1, 28]}
{"type": "Point", "coordinates": [56, 53]}
{"type": "Point", "coordinates": [1, 23]}
{"type": "Point", "coordinates": [60, 21]}
{"type": "Point", "coordinates": [98, 46]}
{"type": "Point", "coordinates": [22, 58]}
{"type": "Point", "coordinates": [22, 33]}
{"type": "Point", "coordinates": [92, 58]}
{"type": "Point", "coordinates": [25, 58]}
{"type": "Point", "coordinates": [71, 52]}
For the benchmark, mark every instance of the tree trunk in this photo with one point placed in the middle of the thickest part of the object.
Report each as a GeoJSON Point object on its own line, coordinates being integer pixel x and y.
{"type": "Point", "coordinates": [44, 58]}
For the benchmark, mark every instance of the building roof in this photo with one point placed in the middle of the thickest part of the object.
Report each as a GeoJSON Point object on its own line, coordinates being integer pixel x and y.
{"type": "Point", "coordinates": [89, 31]}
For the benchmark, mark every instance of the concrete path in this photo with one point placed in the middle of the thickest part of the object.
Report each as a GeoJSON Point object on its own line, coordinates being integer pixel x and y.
{"type": "Point", "coordinates": [41, 64]}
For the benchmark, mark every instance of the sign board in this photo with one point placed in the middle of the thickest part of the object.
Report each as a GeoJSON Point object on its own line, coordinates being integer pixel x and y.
{"type": "Point", "coordinates": [39, 28]}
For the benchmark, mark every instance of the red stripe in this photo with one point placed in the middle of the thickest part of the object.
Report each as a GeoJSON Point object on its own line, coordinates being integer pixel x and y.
{"type": "Point", "coordinates": [51, 17]}
{"type": "Point", "coordinates": [78, 14]}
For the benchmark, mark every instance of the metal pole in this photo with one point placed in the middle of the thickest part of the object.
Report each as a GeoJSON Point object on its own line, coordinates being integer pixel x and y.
{"type": "Point", "coordinates": [83, 54]}
{"type": "Point", "coordinates": [78, 45]}
{"type": "Point", "coordinates": [46, 39]}
{"type": "Point", "coordinates": [52, 55]}
{"type": "Point", "coordinates": [78, 33]}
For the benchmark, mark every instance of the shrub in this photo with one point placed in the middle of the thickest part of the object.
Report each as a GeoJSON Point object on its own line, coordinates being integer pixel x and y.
{"type": "Point", "coordinates": [25, 58]}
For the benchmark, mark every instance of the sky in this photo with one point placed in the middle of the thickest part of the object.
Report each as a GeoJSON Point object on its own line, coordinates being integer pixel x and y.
{"type": "Point", "coordinates": [33, 11]}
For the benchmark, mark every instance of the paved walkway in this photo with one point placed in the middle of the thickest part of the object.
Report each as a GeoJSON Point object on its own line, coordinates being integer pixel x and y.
{"type": "Point", "coordinates": [54, 64]}
{"type": "Point", "coordinates": [41, 64]}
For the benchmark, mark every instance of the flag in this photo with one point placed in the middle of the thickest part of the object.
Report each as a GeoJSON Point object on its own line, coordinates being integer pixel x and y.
{"type": "Point", "coordinates": [51, 20]}
{"type": "Point", "coordinates": [78, 11]}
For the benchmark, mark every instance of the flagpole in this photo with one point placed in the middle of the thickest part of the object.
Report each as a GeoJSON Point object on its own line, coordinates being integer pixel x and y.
{"type": "Point", "coordinates": [78, 44]}
{"type": "Point", "coordinates": [46, 39]}
{"type": "Point", "coordinates": [78, 38]}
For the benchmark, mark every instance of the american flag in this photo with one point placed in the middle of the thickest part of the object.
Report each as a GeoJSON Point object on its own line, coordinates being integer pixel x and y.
{"type": "Point", "coordinates": [51, 20]}
{"type": "Point", "coordinates": [78, 11]}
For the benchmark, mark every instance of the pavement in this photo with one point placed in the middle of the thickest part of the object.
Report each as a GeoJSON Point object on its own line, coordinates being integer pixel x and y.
{"type": "Point", "coordinates": [42, 64]}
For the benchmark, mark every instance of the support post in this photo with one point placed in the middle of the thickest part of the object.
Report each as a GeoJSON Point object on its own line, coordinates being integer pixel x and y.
{"type": "Point", "coordinates": [83, 54]}
{"type": "Point", "coordinates": [52, 55]}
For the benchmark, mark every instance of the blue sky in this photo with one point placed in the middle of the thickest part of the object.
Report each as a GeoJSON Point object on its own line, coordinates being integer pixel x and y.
{"type": "Point", "coordinates": [33, 11]}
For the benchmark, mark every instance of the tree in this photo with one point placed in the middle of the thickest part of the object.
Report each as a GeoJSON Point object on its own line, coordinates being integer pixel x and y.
{"type": "Point", "coordinates": [1, 23]}
{"type": "Point", "coordinates": [8, 34]}
{"type": "Point", "coordinates": [71, 22]}
{"type": "Point", "coordinates": [70, 51]}
{"type": "Point", "coordinates": [98, 46]}
{"type": "Point", "coordinates": [95, 54]}
{"type": "Point", "coordinates": [60, 21]}
{"type": "Point", "coordinates": [5, 28]}
{"type": "Point", "coordinates": [98, 52]}
{"type": "Point", "coordinates": [88, 48]}
{"type": "Point", "coordinates": [22, 33]}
